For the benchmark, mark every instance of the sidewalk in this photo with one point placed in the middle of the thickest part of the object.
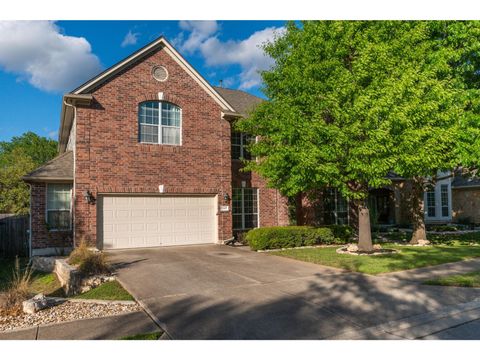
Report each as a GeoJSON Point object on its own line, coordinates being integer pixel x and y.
{"type": "Point", "coordinates": [455, 322]}
{"type": "Point", "coordinates": [105, 328]}
{"type": "Point", "coordinates": [431, 272]}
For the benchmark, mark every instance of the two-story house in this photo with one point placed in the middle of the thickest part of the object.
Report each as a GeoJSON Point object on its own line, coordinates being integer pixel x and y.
{"type": "Point", "coordinates": [147, 158]}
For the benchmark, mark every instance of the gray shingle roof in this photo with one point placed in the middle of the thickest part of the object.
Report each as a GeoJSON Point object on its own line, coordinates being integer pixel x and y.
{"type": "Point", "coordinates": [464, 181]}
{"type": "Point", "coordinates": [59, 168]}
{"type": "Point", "coordinates": [241, 101]}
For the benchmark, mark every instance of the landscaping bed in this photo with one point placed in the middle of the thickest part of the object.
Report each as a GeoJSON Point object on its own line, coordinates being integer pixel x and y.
{"type": "Point", "coordinates": [67, 311]}
{"type": "Point", "coordinates": [72, 292]}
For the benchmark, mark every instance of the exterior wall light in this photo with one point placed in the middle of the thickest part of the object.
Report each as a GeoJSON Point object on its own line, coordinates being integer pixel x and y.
{"type": "Point", "coordinates": [226, 197]}
{"type": "Point", "coordinates": [89, 198]}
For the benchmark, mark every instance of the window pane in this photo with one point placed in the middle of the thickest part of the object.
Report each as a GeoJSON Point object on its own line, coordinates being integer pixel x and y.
{"type": "Point", "coordinates": [170, 135]}
{"type": "Point", "coordinates": [58, 196]}
{"type": "Point", "coordinates": [148, 113]}
{"type": "Point", "coordinates": [170, 115]}
{"type": "Point", "coordinates": [149, 133]}
{"type": "Point", "coordinates": [237, 222]}
{"type": "Point", "coordinates": [431, 203]}
{"type": "Point", "coordinates": [444, 199]}
{"type": "Point", "coordinates": [58, 219]}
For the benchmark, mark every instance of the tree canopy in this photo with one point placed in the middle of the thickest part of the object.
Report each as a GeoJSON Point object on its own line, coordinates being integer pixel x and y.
{"type": "Point", "coordinates": [350, 101]}
{"type": "Point", "coordinates": [18, 157]}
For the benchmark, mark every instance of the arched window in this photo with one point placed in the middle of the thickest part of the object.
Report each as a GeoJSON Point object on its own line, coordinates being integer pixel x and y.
{"type": "Point", "coordinates": [159, 122]}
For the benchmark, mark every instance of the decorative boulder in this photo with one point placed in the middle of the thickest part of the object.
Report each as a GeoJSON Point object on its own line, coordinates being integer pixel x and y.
{"type": "Point", "coordinates": [423, 242]}
{"type": "Point", "coordinates": [39, 302]}
{"type": "Point", "coordinates": [352, 248]}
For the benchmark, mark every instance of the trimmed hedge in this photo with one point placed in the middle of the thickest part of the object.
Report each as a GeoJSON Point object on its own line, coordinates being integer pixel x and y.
{"type": "Point", "coordinates": [277, 237]}
{"type": "Point", "coordinates": [342, 232]}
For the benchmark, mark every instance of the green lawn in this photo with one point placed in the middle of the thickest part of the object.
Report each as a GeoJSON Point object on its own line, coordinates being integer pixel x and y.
{"type": "Point", "coordinates": [410, 257]}
{"type": "Point", "coordinates": [151, 336]}
{"type": "Point", "coordinates": [471, 279]}
{"type": "Point", "coordinates": [111, 290]}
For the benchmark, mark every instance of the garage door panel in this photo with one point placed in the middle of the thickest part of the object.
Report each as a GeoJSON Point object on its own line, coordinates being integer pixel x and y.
{"type": "Point", "coordinates": [148, 221]}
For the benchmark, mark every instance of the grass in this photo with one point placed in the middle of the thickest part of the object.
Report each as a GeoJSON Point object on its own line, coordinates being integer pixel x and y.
{"type": "Point", "coordinates": [471, 279]}
{"type": "Point", "coordinates": [111, 290]}
{"type": "Point", "coordinates": [150, 336]}
{"type": "Point", "coordinates": [410, 257]}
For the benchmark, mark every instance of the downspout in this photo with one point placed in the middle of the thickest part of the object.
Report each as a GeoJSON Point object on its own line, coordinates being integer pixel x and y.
{"type": "Point", "coordinates": [30, 225]}
{"type": "Point", "coordinates": [74, 123]}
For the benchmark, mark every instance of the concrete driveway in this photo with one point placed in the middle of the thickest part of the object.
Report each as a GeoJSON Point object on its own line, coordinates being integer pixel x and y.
{"type": "Point", "coordinates": [220, 292]}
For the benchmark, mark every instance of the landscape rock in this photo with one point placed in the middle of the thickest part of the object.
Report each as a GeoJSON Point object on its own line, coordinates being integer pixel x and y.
{"type": "Point", "coordinates": [423, 243]}
{"type": "Point", "coordinates": [43, 263]}
{"type": "Point", "coordinates": [39, 302]}
{"type": "Point", "coordinates": [352, 248]}
{"type": "Point", "coordinates": [94, 281]}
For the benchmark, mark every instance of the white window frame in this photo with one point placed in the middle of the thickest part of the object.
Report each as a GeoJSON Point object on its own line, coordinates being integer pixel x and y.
{"type": "Point", "coordinates": [160, 126]}
{"type": "Point", "coordinates": [47, 210]}
{"type": "Point", "coordinates": [243, 209]}
{"type": "Point", "coordinates": [438, 200]}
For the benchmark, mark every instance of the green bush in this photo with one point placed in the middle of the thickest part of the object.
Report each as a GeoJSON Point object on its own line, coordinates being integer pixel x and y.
{"type": "Point", "coordinates": [278, 237]}
{"type": "Point", "coordinates": [342, 232]}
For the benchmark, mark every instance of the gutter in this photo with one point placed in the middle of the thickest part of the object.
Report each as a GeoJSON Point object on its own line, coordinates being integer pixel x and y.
{"type": "Point", "coordinates": [69, 100]}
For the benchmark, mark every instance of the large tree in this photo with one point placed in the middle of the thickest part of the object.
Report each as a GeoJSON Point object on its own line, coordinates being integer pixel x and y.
{"type": "Point", "coordinates": [439, 129]}
{"type": "Point", "coordinates": [18, 157]}
{"type": "Point", "coordinates": [343, 97]}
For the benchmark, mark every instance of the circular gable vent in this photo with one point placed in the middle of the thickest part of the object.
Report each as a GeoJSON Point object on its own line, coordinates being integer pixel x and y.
{"type": "Point", "coordinates": [160, 73]}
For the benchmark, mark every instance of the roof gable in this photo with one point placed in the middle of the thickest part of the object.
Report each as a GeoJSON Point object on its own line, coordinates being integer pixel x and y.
{"type": "Point", "coordinates": [160, 43]}
{"type": "Point", "coordinates": [59, 168]}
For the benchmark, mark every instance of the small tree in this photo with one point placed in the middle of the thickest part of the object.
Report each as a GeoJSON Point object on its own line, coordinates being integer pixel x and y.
{"type": "Point", "coordinates": [340, 93]}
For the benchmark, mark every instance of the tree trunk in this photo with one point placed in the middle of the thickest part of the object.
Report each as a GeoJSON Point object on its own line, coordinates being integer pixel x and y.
{"type": "Point", "coordinates": [364, 231]}
{"type": "Point", "coordinates": [418, 212]}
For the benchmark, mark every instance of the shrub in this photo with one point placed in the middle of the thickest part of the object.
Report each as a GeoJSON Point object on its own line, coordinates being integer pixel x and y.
{"type": "Point", "coordinates": [342, 232]}
{"type": "Point", "coordinates": [89, 262]}
{"type": "Point", "coordinates": [17, 290]}
{"type": "Point", "coordinates": [278, 237]}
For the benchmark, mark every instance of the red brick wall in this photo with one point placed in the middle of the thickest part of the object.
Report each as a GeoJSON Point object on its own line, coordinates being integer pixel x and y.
{"type": "Point", "coordinates": [273, 206]}
{"type": "Point", "coordinates": [41, 237]}
{"type": "Point", "coordinates": [110, 159]}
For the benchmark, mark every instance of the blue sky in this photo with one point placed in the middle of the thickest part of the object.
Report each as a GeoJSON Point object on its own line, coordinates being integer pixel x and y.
{"type": "Point", "coordinates": [40, 61]}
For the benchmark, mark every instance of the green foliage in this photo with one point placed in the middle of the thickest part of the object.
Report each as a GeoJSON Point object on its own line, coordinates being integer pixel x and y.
{"type": "Point", "coordinates": [351, 100]}
{"type": "Point", "coordinates": [89, 262]}
{"type": "Point", "coordinates": [342, 232]}
{"type": "Point", "coordinates": [149, 336]}
{"type": "Point", "coordinates": [18, 157]}
{"type": "Point", "coordinates": [278, 237]}
{"type": "Point", "coordinates": [14, 192]}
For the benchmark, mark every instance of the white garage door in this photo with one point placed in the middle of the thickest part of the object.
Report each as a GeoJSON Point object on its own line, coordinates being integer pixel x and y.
{"type": "Point", "coordinates": [148, 221]}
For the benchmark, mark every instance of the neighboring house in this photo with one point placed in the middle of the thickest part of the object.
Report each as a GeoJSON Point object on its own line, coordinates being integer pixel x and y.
{"type": "Point", "coordinates": [452, 200]}
{"type": "Point", "coordinates": [148, 158]}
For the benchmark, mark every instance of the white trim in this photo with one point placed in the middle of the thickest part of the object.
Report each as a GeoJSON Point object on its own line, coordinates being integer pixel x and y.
{"type": "Point", "coordinates": [258, 207]}
{"type": "Point", "coordinates": [176, 56]}
{"type": "Point", "coordinates": [160, 126]}
{"type": "Point", "coordinates": [30, 225]}
{"type": "Point", "coordinates": [438, 202]}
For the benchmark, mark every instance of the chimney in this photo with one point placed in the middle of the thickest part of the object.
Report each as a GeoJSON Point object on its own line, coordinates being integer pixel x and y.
{"type": "Point", "coordinates": [221, 84]}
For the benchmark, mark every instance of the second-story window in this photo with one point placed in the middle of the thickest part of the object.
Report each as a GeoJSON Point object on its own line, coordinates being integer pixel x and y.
{"type": "Point", "coordinates": [240, 141]}
{"type": "Point", "coordinates": [160, 123]}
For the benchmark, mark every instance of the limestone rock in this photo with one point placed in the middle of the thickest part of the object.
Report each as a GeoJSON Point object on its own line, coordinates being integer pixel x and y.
{"type": "Point", "coordinates": [38, 302]}
{"type": "Point", "coordinates": [423, 242]}
{"type": "Point", "coordinates": [352, 248]}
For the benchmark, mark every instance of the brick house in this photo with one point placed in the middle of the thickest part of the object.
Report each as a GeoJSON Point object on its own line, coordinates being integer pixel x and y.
{"type": "Point", "coordinates": [454, 199]}
{"type": "Point", "coordinates": [147, 158]}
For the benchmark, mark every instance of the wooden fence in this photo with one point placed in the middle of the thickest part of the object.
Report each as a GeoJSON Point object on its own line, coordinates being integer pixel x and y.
{"type": "Point", "coordinates": [14, 235]}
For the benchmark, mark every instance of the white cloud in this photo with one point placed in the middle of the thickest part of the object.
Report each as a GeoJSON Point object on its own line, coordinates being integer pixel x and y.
{"type": "Point", "coordinates": [246, 53]}
{"type": "Point", "coordinates": [130, 39]}
{"type": "Point", "coordinates": [49, 60]}
{"type": "Point", "coordinates": [199, 32]}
